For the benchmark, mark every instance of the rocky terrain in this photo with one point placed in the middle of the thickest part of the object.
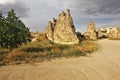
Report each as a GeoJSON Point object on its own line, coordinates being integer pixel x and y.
{"type": "Point", "coordinates": [95, 33]}
{"type": "Point", "coordinates": [62, 31]}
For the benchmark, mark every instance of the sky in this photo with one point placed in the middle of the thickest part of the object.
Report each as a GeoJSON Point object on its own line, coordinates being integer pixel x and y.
{"type": "Point", "coordinates": [36, 13]}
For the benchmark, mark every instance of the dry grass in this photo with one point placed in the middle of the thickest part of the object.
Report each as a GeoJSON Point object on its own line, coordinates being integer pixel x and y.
{"type": "Point", "coordinates": [114, 38]}
{"type": "Point", "coordinates": [42, 51]}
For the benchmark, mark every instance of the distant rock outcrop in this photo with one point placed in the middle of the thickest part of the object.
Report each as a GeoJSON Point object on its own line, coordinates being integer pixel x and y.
{"type": "Point", "coordinates": [91, 31]}
{"type": "Point", "coordinates": [62, 30]}
{"type": "Point", "coordinates": [109, 32]}
{"type": "Point", "coordinates": [101, 33]}
{"type": "Point", "coordinates": [114, 33]}
{"type": "Point", "coordinates": [38, 37]}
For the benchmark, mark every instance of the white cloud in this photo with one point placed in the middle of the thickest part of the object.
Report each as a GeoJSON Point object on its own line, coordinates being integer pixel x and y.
{"type": "Point", "coordinates": [7, 1]}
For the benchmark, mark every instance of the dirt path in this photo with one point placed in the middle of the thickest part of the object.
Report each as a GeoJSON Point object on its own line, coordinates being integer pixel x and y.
{"type": "Point", "coordinates": [102, 65]}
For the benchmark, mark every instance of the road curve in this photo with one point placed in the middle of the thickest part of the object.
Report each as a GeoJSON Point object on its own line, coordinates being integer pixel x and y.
{"type": "Point", "coordinates": [101, 65]}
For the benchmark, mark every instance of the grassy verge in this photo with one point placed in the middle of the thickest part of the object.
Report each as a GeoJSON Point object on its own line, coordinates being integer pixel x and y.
{"type": "Point", "coordinates": [3, 54]}
{"type": "Point", "coordinates": [114, 38]}
{"type": "Point", "coordinates": [42, 51]}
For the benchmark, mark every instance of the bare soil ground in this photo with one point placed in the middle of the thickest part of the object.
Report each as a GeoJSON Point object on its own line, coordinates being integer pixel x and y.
{"type": "Point", "coordinates": [101, 65]}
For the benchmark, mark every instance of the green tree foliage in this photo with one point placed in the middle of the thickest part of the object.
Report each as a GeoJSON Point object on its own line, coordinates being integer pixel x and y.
{"type": "Point", "coordinates": [13, 31]}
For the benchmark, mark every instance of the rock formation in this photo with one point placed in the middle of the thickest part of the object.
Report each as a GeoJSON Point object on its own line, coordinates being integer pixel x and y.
{"type": "Point", "coordinates": [109, 32]}
{"type": "Point", "coordinates": [38, 37]}
{"type": "Point", "coordinates": [49, 31]}
{"type": "Point", "coordinates": [91, 31]}
{"type": "Point", "coordinates": [62, 30]}
{"type": "Point", "coordinates": [114, 33]}
{"type": "Point", "coordinates": [101, 33]}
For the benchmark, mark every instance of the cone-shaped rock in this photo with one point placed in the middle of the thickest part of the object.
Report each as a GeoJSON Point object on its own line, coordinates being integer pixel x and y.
{"type": "Point", "coordinates": [91, 27]}
{"type": "Point", "coordinates": [91, 31]}
{"type": "Point", "coordinates": [62, 30]}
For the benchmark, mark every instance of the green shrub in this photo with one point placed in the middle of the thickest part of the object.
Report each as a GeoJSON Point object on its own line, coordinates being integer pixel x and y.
{"type": "Point", "coordinates": [13, 31]}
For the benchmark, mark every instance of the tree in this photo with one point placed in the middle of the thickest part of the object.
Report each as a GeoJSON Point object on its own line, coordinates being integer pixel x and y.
{"type": "Point", "coordinates": [2, 27]}
{"type": "Point", "coordinates": [13, 32]}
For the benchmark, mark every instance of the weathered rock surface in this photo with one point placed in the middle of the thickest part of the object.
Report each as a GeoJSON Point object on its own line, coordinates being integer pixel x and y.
{"type": "Point", "coordinates": [114, 33]}
{"type": "Point", "coordinates": [101, 33]}
{"type": "Point", "coordinates": [38, 37]}
{"type": "Point", "coordinates": [62, 30]}
{"type": "Point", "coordinates": [49, 31]}
{"type": "Point", "coordinates": [109, 32]}
{"type": "Point", "coordinates": [91, 31]}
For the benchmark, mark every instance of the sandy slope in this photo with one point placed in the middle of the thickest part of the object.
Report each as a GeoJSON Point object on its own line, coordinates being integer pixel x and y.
{"type": "Point", "coordinates": [102, 65]}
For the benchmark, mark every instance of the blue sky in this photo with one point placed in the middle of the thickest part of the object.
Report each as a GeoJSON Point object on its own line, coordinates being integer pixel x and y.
{"type": "Point", "coordinates": [37, 13]}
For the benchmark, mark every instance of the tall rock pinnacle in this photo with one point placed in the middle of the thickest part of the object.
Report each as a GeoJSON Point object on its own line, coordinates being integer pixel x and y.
{"type": "Point", "coordinates": [62, 30]}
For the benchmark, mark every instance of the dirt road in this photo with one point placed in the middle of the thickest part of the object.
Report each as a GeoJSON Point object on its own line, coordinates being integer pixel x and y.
{"type": "Point", "coordinates": [101, 65]}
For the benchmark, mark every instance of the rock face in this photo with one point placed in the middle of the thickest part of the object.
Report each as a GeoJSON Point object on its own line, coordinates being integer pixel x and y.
{"type": "Point", "coordinates": [101, 33]}
{"type": "Point", "coordinates": [109, 32]}
{"type": "Point", "coordinates": [49, 31]}
{"type": "Point", "coordinates": [38, 37]}
{"type": "Point", "coordinates": [114, 33]}
{"type": "Point", "coordinates": [91, 31]}
{"type": "Point", "coordinates": [62, 30]}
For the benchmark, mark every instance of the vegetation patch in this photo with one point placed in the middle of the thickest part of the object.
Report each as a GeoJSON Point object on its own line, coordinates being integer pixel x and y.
{"type": "Point", "coordinates": [114, 38]}
{"type": "Point", "coordinates": [39, 51]}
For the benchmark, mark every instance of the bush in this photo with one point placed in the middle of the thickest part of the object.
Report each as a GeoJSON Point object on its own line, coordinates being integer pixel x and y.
{"type": "Point", "coordinates": [13, 31]}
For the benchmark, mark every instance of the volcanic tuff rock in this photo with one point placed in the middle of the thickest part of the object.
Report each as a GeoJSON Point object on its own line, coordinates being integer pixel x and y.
{"type": "Point", "coordinates": [101, 33]}
{"type": "Point", "coordinates": [114, 33]}
{"type": "Point", "coordinates": [62, 30]}
{"type": "Point", "coordinates": [91, 31]}
{"type": "Point", "coordinates": [109, 32]}
{"type": "Point", "coordinates": [38, 37]}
